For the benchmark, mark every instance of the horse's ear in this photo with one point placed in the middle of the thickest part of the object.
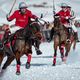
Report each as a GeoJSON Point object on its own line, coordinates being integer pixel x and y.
{"type": "Point", "coordinates": [41, 16]}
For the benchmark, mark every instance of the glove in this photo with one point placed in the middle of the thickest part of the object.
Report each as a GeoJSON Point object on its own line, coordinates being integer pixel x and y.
{"type": "Point", "coordinates": [7, 16]}
{"type": "Point", "coordinates": [67, 17]}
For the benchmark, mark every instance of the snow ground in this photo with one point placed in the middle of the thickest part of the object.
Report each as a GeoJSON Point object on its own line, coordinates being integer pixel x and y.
{"type": "Point", "coordinates": [41, 66]}
{"type": "Point", "coordinates": [42, 69]}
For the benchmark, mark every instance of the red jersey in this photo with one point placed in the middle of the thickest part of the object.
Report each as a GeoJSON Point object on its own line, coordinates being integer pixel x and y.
{"type": "Point", "coordinates": [63, 16]}
{"type": "Point", "coordinates": [21, 19]}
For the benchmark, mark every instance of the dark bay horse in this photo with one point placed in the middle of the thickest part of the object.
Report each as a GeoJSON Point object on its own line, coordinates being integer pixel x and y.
{"type": "Point", "coordinates": [4, 46]}
{"type": "Point", "coordinates": [60, 40]}
{"type": "Point", "coordinates": [22, 42]}
{"type": "Point", "coordinates": [25, 38]}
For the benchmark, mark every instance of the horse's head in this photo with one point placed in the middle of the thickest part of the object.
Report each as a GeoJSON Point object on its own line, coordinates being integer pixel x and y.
{"type": "Point", "coordinates": [59, 28]}
{"type": "Point", "coordinates": [57, 23]}
{"type": "Point", "coordinates": [35, 27]}
{"type": "Point", "coordinates": [56, 20]}
{"type": "Point", "coordinates": [5, 27]}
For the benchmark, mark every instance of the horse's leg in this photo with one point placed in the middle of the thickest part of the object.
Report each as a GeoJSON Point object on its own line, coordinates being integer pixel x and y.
{"type": "Point", "coordinates": [37, 45]}
{"type": "Point", "coordinates": [18, 63]}
{"type": "Point", "coordinates": [56, 42]}
{"type": "Point", "coordinates": [54, 58]}
{"type": "Point", "coordinates": [74, 45]}
{"type": "Point", "coordinates": [1, 59]}
{"type": "Point", "coordinates": [73, 40]}
{"type": "Point", "coordinates": [61, 47]}
{"type": "Point", "coordinates": [67, 48]}
{"type": "Point", "coordinates": [8, 62]}
{"type": "Point", "coordinates": [29, 57]}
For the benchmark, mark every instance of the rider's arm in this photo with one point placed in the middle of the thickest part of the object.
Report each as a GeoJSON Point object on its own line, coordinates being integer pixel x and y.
{"type": "Point", "coordinates": [32, 15]}
{"type": "Point", "coordinates": [73, 16]}
{"type": "Point", "coordinates": [12, 17]}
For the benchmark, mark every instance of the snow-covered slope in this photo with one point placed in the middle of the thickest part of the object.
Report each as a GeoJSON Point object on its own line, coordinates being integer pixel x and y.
{"type": "Point", "coordinates": [42, 69]}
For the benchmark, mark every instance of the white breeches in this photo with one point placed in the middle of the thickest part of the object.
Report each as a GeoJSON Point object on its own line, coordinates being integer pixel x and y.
{"type": "Point", "coordinates": [15, 28]}
{"type": "Point", "coordinates": [72, 26]}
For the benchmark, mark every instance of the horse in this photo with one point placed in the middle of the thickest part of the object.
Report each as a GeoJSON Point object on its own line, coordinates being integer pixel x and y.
{"type": "Point", "coordinates": [4, 47]}
{"type": "Point", "coordinates": [24, 41]}
{"type": "Point", "coordinates": [21, 43]}
{"type": "Point", "coordinates": [37, 31]}
{"type": "Point", "coordinates": [60, 40]}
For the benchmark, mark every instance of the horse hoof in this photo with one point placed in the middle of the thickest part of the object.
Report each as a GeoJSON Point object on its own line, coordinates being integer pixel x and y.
{"type": "Point", "coordinates": [27, 65]}
{"type": "Point", "coordinates": [18, 73]}
{"type": "Point", "coordinates": [53, 64]}
{"type": "Point", "coordinates": [38, 52]}
{"type": "Point", "coordinates": [62, 59]}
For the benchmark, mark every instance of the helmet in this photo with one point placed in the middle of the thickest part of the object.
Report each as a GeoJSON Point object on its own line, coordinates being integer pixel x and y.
{"type": "Point", "coordinates": [68, 6]}
{"type": "Point", "coordinates": [63, 5]}
{"type": "Point", "coordinates": [22, 5]}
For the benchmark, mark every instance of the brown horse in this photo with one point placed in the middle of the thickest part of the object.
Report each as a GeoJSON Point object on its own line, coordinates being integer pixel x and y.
{"type": "Point", "coordinates": [60, 39]}
{"type": "Point", "coordinates": [25, 38]}
{"type": "Point", "coordinates": [22, 42]}
{"type": "Point", "coordinates": [4, 46]}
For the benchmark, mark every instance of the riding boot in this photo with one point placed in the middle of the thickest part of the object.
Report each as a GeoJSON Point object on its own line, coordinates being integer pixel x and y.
{"type": "Point", "coordinates": [76, 36]}
{"type": "Point", "coordinates": [69, 33]}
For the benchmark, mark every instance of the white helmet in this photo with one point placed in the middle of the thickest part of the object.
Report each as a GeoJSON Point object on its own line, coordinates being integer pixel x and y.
{"type": "Point", "coordinates": [22, 5]}
{"type": "Point", "coordinates": [63, 5]}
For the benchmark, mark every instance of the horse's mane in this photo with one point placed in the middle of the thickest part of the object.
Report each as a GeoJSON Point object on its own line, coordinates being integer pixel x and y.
{"type": "Point", "coordinates": [58, 25]}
